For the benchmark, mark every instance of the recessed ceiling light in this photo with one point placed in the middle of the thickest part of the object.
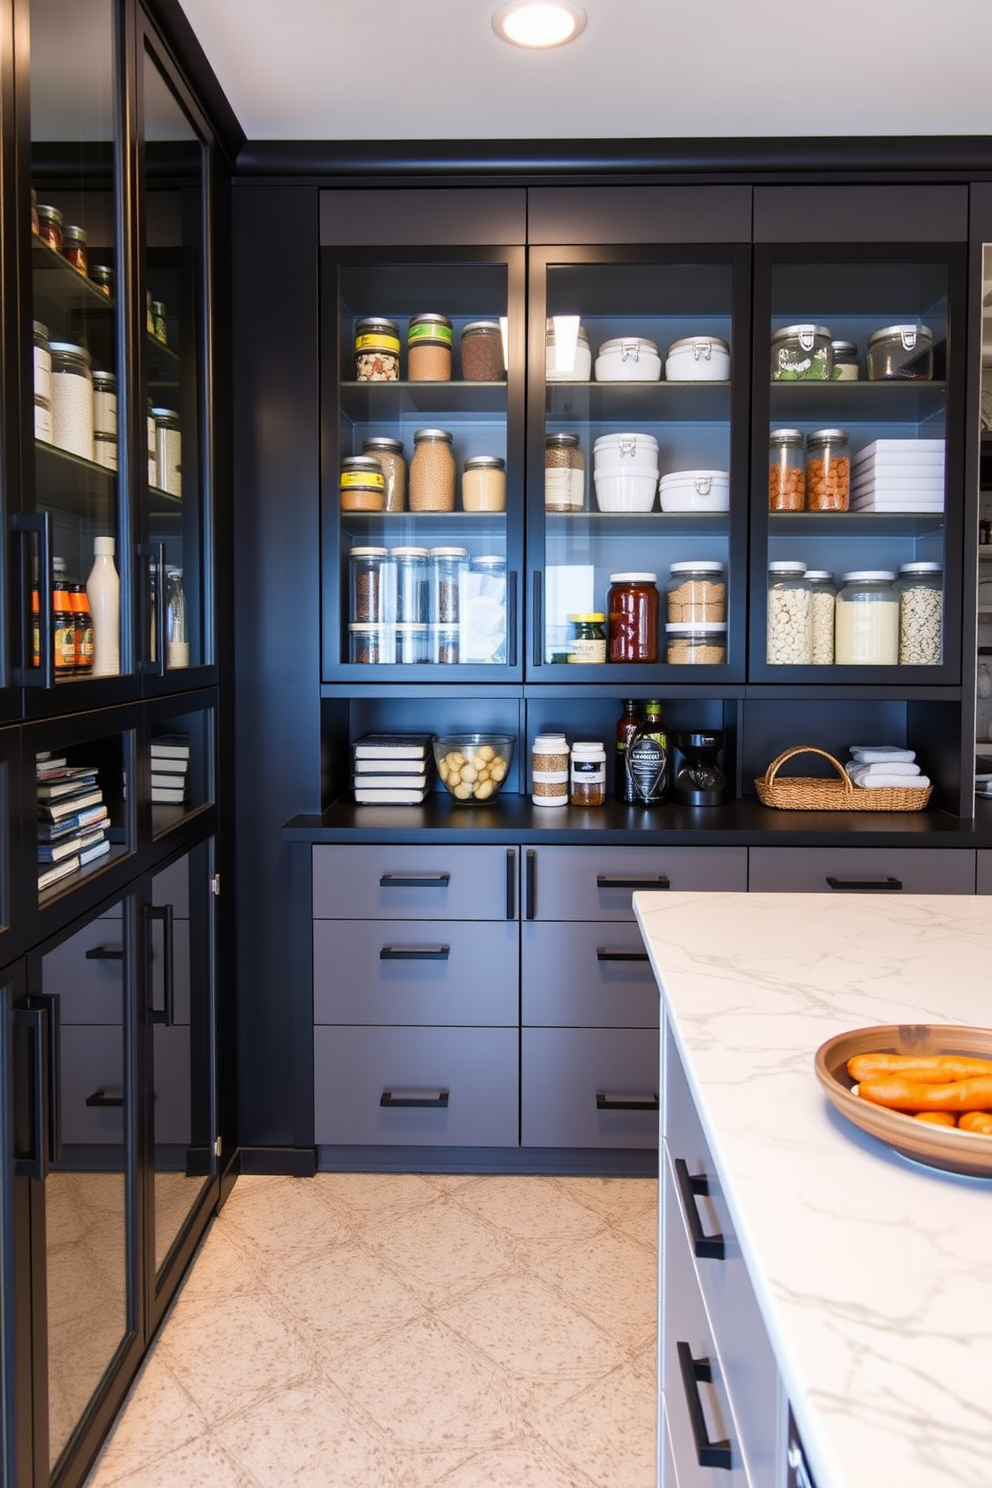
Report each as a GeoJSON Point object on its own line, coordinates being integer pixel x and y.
{"type": "Point", "coordinates": [539, 23]}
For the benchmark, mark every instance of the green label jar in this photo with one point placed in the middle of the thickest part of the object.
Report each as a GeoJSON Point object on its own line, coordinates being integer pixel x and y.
{"type": "Point", "coordinates": [587, 640]}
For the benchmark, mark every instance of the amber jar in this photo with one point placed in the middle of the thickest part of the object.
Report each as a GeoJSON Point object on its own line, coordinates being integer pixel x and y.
{"type": "Point", "coordinates": [633, 617]}
{"type": "Point", "coordinates": [50, 226]}
{"type": "Point", "coordinates": [74, 247]}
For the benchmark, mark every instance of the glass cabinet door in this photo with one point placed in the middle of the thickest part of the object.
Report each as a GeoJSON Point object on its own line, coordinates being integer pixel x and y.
{"type": "Point", "coordinates": [637, 466]}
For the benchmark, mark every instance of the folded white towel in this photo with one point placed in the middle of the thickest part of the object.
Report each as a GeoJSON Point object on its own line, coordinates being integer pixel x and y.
{"type": "Point", "coordinates": [871, 754]}
{"type": "Point", "coordinates": [893, 767]}
{"type": "Point", "coordinates": [878, 782]}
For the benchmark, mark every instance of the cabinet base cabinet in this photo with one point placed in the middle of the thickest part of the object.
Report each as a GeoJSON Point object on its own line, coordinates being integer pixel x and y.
{"type": "Point", "coordinates": [861, 870]}
{"type": "Point", "coordinates": [593, 976]}
{"type": "Point", "coordinates": [589, 1087]}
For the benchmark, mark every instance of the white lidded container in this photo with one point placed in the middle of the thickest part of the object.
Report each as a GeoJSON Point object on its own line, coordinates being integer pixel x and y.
{"type": "Point", "coordinates": [628, 359]}
{"type": "Point", "coordinates": [695, 491]}
{"type": "Point", "coordinates": [568, 357]}
{"type": "Point", "coordinates": [625, 472]}
{"type": "Point", "coordinates": [698, 359]}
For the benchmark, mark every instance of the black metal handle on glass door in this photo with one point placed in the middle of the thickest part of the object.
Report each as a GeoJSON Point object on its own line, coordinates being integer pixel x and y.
{"type": "Point", "coordinates": [167, 1015]}
{"type": "Point", "coordinates": [41, 674]}
{"type": "Point", "coordinates": [538, 653]}
{"type": "Point", "coordinates": [155, 661]}
{"type": "Point", "coordinates": [511, 617]}
{"type": "Point", "coordinates": [34, 1163]}
{"type": "Point", "coordinates": [51, 1002]}
{"type": "Point", "coordinates": [511, 883]}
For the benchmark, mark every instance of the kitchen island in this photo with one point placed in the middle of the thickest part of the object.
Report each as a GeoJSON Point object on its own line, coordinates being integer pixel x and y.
{"type": "Point", "coordinates": [870, 1276]}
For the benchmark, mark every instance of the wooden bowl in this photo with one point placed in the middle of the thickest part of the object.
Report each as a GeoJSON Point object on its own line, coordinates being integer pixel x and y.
{"type": "Point", "coordinates": [945, 1147]}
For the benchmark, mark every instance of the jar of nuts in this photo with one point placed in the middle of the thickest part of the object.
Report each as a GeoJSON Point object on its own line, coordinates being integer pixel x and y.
{"type": "Point", "coordinates": [786, 470]}
{"type": "Point", "coordinates": [432, 472]}
{"type": "Point", "coordinates": [377, 350]}
{"type": "Point", "coordinates": [828, 470]}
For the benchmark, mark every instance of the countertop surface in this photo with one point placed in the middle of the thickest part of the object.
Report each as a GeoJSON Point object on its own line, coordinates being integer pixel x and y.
{"type": "Point", "coordinates": [873, 1273]}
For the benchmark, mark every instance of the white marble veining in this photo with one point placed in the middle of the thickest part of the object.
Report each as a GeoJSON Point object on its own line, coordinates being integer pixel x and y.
{"type": "Point", "coordinates": [874, 1274]}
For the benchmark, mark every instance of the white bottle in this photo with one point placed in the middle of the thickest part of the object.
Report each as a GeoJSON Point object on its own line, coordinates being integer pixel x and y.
{"type": "Point", "coordinates": [103, 590]}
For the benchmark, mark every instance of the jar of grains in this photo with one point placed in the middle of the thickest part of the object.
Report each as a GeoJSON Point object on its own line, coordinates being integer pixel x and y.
{"type": "Point", "coordinates": [370, 644]}
{"type": "Point", "coordinates": [587, 774]}
{"type": "Point", "coordinates": [633, 611]}
{"type": "Point", "coordinates": [74, 247]}
{"type": "Point", "coordinates": [828, 470]}
{"type": "Point", "coordinates": [866, 619]}
{"type": "Point", "coordinates": [694, 644]}
{"type": "Point", "coordinates": [432, 472]}
{"type": "Point", "coordinates": [697, 591]}
{"type": "Point", "coordinates": [789, 640]}
{"type": "Point", "coordinates": [921, 601]}
{"type": "Point", "coordinates": [377, 350]}
{"type": "Point", "coordinates": [428, 345]}
{"type": "Point", "coordinates": [42, 362]}
{"type": "Point", "coordinates": [362, 484]}
{"type": "Point", "coordinates": [549, 770]}
{"type": "Point", "coordinates": [846, 368]}
{"type": "Point", "coordinates": [389, 453]}
{"type": "Point", "coordinates": [482, 351]}
{"type": "Point", "coordinates": [371, 586]}
{"type": "Point", "coordinates": [484, 484]}
{"type": "Point", "coordinates": [445, 644]}
{"type": "Point", "coordinates": [72, 399]}
{"type": "Point", "coordinates": [786, 470]}
{"type": "Point", "coordinates": [564, 473]}
{"type": "Point", "coordinates": [50, 226]}
{"type": "Point", "coordinates": [412, 585]}
{"type": "Point", "coordinates": [448, 569]}
{"type": "Point", "coordinates": [822, 593]}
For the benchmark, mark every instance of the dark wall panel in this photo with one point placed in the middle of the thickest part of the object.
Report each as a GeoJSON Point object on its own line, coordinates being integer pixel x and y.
{"type": "Point", "coordinates": [639, 214]}
{"type": "Point", "coordinates": [860, 214]}
{"type": "Point", "coordinates": [424, 216]}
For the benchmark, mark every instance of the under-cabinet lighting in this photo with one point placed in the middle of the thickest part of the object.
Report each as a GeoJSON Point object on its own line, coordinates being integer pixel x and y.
{"type": "Point", "coordinates": [539, 23]}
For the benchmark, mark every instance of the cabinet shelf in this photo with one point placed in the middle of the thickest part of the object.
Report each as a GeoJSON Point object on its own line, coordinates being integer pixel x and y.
{"type": "Point", "coordinates": [635, 524]}
{"type": "Point", "coordinates": [857, 402]}
{"type": "Point", "coordinates": [850, 524]}
{"type": "Point", "coordinates": [427, 527]}
{"type": "Point", "coordinates": [639, 402]}
{"type": "Point", "coordinates": [59, 289]}
{"type": "Point", "coordinates": [363, 402]}
{"type": "Point", "coordinates": [80, 488]}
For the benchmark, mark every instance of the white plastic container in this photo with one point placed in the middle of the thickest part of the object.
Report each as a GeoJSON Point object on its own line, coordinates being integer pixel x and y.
{"type": "Point", "coordinates": [103, 590]}
{"type": "Point", "coordinates": [636, 451]}
{"type": "Point", "coordinates": [698, 359]}
{"type": "Point", "coordinates": [695, 491]}
{"type": "Point", "coordinates": [625, 472]}
{"type": "Point", "coordinates": [628, 359]}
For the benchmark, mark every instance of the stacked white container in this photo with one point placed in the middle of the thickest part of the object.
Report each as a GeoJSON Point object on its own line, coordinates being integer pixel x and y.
{"type": "Point", "coordinates": [625, 472]}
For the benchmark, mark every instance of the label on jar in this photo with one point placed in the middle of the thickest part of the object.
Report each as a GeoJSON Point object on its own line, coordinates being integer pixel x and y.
{"type": "Point", "coordinates": [377, 341]}
{"type": "Point", "coordinates": [430, 331]}
{"type": "Point", "coordinates": [591, 652]}
{"type": "Point", "coordinates": [564, 489]}
{"type": "Point", "coordinates": [588, 770]}
{"type": "Point", "coordinates": [647, 769]}
{"type": "Point", "coordinates": [367, 479]}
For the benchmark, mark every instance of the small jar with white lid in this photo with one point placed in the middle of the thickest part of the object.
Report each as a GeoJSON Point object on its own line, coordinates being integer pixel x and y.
{"type": "Point", "coordinates": [371, 586]}
{"type": "Point", "coordinates": [866, 619]}
{"type": "Point", "coordinates": [920, 587]}
{"type": "Point", "coordinates": [694, 643]}
{"type": "Point", "coordinates": [789, 635]}
{"type": "Point", "coordinates": [549, 770]}
{"type": "Point", "coordinates": [587, 774]}
{"type": "Point", "coordinates": [568, 355]}
{"type": "Point", "coordinates": [823, 593]}
{"type": "Point", "coordinates": [697, 592]}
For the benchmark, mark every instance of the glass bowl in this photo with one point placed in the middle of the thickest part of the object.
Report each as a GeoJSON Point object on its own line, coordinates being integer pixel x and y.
{"type": "Point", "coordinates": [473, 767]}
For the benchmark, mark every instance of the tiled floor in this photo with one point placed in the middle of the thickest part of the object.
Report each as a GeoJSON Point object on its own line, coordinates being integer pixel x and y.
{"type": "Point", "coordinates": [406, 1331]}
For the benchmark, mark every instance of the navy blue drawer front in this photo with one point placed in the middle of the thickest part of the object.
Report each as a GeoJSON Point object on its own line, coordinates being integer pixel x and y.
{"type": "Point", "coordinates": [587, 976]}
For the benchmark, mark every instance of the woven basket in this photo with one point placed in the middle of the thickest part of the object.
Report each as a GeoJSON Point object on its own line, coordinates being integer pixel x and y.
{"type": "Point", "coordinates": [803, 793]}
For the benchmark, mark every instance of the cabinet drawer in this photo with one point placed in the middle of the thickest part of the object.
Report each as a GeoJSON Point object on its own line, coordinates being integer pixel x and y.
{"type": "Point", "coordinates": [983, 877]}
{"type": "Point", "coordinates": [355, 1067]}
{"type": "Point", "coordinates": [416, 881]}
{"type": "Point", "coordinates": [583, 976]}
{"type": "Point", "coordinates": [808, 870]}
{"type": "Point", "coordinates": [746, 1359]}
{"type": "Point", "coordinates": [460, 972]}
{"type": "Point", "coordinates": [566, 1075]}
{"type": "Point", "coordinates": [596, 883]}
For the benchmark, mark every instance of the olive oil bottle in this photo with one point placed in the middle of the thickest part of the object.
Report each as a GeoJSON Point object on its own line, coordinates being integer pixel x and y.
{"type": "Point", "coordinates": [647, 758]}
{"type": "Point", "coordinates": [623, 785]}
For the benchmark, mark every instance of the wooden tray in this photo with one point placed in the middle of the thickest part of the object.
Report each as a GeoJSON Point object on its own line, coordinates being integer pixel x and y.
{"type": "Point", "coordinates": [945, 1147]}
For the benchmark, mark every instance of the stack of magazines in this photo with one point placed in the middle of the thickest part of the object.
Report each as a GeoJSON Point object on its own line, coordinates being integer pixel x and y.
{"type": "Point", "coordinates": [392, 769]}
{"type": "Point", "coordinates": [72, 818]}
{"type": "Point", "coordinates": [170, 765]}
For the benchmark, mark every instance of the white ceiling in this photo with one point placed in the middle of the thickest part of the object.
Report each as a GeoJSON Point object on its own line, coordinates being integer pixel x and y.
{"type": "Point", "coordinates": [434, 69]}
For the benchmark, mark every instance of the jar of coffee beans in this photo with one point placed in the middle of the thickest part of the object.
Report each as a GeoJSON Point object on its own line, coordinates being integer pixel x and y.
{"type": "Point", "coordinates": [428, 343]}
{"type": "Point", "coordinates": [482, 351]}
{"type": "Point", "coordinates": [432, 472]}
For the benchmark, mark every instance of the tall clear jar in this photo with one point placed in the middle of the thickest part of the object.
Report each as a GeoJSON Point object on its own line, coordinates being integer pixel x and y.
{"type": "Point", "coordinates": [790, 633]}
{"type": "Point", "coordinates": [176, 634]}
{"type": "Point", "coordinates": [786, 470]}
{"type": "Point", "coordinates": [448, 569]}
{"type": "Point", "coordinates": [371, 586]}
{"type": "Point", "coordinates": [432, 472]}
{"type": "Point", "coordinates": [389, 453]}
{"type": "Point", "coordinates": [72, 399]}
{"type": "Point", "coordinates": [866, 621]}
{"type": "Point", "coordinates": [828, 470]}
{"type": "Point", "coordinates": [823, 593]}
{"type": "Point", "coordinates": [168, 451]}
{"type": "Point", "coordinates": [564, 473]}
{"type": "Point", "coordinates": [412, 585]}
{"type": "Point", "coordinates": [104, 403]}
{"type": "Point", "coordinates": [920, 587]}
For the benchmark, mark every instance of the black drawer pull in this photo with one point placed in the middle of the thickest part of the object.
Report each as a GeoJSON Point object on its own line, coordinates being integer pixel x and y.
{"type": "Point", "coordinates": [691, 1187]}
{"type": "Point", "coordinates": [105, 953]}
{"type": "Point", "coordinates": [694, 1373]}
{"type": "Point", "coordinates": [611, 1100]}
{"type": "Point", "coordinates": [602, 954]}
{"type": "Point", "coordinates": [863, 885]}
{"type": "Point", "coordinates": [608, 881]}
{"type": "Point", "coordinates": [414, 953]}
{"type": "Point", "coordinates": [414, 880]}
{"type": "Point", "coordinates": [438, 1099]}
{"type": "Point", "coordinates": [103, 1097]}
{"type": "Point", "coordinates": [511, 883]}
{"type": "Point", "coordinates": [530, 907]}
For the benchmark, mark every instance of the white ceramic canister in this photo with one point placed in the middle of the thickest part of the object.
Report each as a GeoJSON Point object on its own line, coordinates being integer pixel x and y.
{"type": "Point", "coordinates": [625, 472]}
{"type": "Point", "coordinates": [628, 359]}
{"type": "Point", "coordinates": [549, 770]}
{"type": "Point", "coordinates": [695, 491]}
{"type": "Point", "coordinates": [698, 359]}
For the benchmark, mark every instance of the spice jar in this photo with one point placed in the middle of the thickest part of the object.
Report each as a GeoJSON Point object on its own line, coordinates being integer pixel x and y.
{"type": "Point", "coordinates": [802, 353]}
{"type": "Point", "coordinates": [633, 612]}
{"type": "Point", "coordinates": [900, 353]}
{"type": "Point", "coordinates": [72, 399]}
{"type": "Point", "coordinates": [697, 592]}
{"type": "Point", "coordinates": [587, 641]}
{"type": "Point", "coordinates": [74, 247]}
{"type": "Point", "coordinates": [845, 359]}
{"type": "Point", "coordinates": [692, 643]}
{"type": "Point", "coordinates": [828, 470]}
{"type": "Point", "coordinates": [371, 586]}
{"type": "Point", "coordinates": [389, 453]}
{"type": "Point", "coordinates": [362, 485]}
{"type": "Point", "coordinates": [448, 569]}
{"type": "Point", "coordinates": [445, 644]}
{"type": "Point", "coordinates": [168, 451]}
{"type": "Point", "coordinates": [105, 403]}
{"type": "Point", "coordinates": [412, 585]}
{"type": "Point", "coordinates": [42, 362]}
{"type": "Point", "coordinates": [587, 774]}
{"type": "Point", "coordinates": [921, 603]}
{"type": "Point", "coordinates": [789, 638]}
{"type": "Point", "coordinates": [822, 595]}
{"type": "Point", "coordinates": [568, 355]}
{"type": "Point", "coordinates": [866, 619]}
{"type": "Point", "coordinates": [377, 350]}
{"type": "Point", "coordinates": [428, 345]}
{"type": "Point", "coordinates": [564, 473]}
{"type": "Point", "coordinates": [102, 275]}
{"type": "Point", "coordinates": [50, 226]}
{"type": "Point", "coordinates": [786, 470]}
{"type": "Point", "coordinates": [549, 770]}
{"type": "Point", "coordinates": [482, 351]}
{"type": "Point", "coordinates": [432, 472]}
{"type": "Point", "coordinates": [484, 484]}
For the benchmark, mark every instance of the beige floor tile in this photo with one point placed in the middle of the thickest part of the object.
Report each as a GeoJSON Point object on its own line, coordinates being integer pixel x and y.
{"type": "Point", "coordinates": [200, 1463]}
{"type": "Point", "coordinates": [439, 1250]}
{"type": "Point", "coordinates": [529, 1465]}
{"type": "Point", "coordinates": [345, 1299]}
{"type": "Point", "coordinates": [610, 1278]}
{"type": "Point", "coordinates": [607, 1430]}
{"type": "Point", "coordinates": [158, 1417]}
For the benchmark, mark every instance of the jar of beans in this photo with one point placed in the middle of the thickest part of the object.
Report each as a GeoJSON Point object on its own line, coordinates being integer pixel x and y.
{"type": "Point", "coordinates": [786, 470]}
{"type": "Point", "coordinates": [482, 351]}
{"type": "Point", "coordinates": [389, 453]}
{"type": "Point", "coordinates": [432, 472]}
{"type": "Point", "coordinates": [362, 484]}
{"type": "Point", "coordinates": [448, 569]}
{"type": "Point", "coordinates": [428, 343]}
{"type": "Point", "coordinates": [564, 473]}
{"type": "Point", "coordinates": [828, 470]}
{"type": "Point", "coordinates": [789, 635]}
{"type": "Point", "coordinates": [921, 603]}
{"type": "Point", "coordinates": [377, 350]}
{"type": "Point", "coordinates": [697, 591]}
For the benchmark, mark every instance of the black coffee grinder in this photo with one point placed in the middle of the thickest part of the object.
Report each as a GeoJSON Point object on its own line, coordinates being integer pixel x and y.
{"type": "Point", "coordinates": [697, 777]}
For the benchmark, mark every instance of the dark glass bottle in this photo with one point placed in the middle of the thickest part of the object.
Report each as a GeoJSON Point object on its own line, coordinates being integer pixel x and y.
{"type": "Point", "coordinates": [647, 758]}
{"type": "Point", "coordinates": [63, 622]}
{"type": "Point", "coordinates": [623, 786]}
{"type": "Point", "coordinates": [83, 634]}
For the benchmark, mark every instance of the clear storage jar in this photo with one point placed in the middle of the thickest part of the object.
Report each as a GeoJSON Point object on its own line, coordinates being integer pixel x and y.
{"type": "Point", "coordinates": [362, 486]}
{"type": "Point", "coordinates": [429, 340]}
{"type": "Point", "coordinates": [828, 470]}
{"type": "Point", "coordinates": [845, 358]}
{"type": "Point", "coordinates": [168, 451]}
{"type": "Point", "coordinates": [587, 773]}
{"type": "Point", "coordinates": [564, 473]}
{"type": "Point", "coordinates": [377, 350]}
{"type": "Point", "coordinates": [389, 453]}
{"type": "Point", "coordinates": [371, 586]}
{"type": "Point", "coordinates": [695, 644]}
{"type": "Point", "coordinates": [412, 644]}
{"type": "Point", "coordinates": [482, 351]}
{"type": "Point", "coordinates": [371, 645]}
{"type": "Point", "coordinates": [866, 619]}
{"type": "Point", "coordinates": [568, 355]}
{"type": "Point", "coordinates": [789, 626]}
{"type": "Point", "coordinates": [697, 592]}
{"type": "Point", "coordinates": [900, 353]}
{"type": "Point", "coordinates": [484, 616]}
{"type": "Point", "coordinates": [412, 585]}
{"type": "Point", "coordinates": [105, 404]}
{"type": "Point", "coordinates": [633, 617]}
{"type": "Point", "coordinates": [432, 472]}
{"type": "Point", "coordinates": [823, 593]}
{"type": "Point", "coordinates": [448, 569]}
{"type": "Point", "coordinates": [72, 399]}
{"type": "Point", "coordinates": [802, 353]}
{"type": "Point", "coordinates": [445, 644]}
{"type": "Point", "coordinates": [786, 470]}
{"type": "Point", "coordinates": [920, 587]}
{"type": "Point", "coordinates": [484, 484]}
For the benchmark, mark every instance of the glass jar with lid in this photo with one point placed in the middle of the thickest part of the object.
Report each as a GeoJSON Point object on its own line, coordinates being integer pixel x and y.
{"type": "Point", "coordinates": [845, 358]}
{"type": "Point", "coordinates": [568, 354]}
{"type": "Point", "coordinates": [377, 350]}
{"type": "Point", "coordinates": [802, 353]}
{"type": "Point", "coordinates": [72, 398]}
{"type": "Point", "coordinates": [693, 643]}
{"type": "Point", "coordinates": [412, 585]}
{"type": "Point", "coordinates": [920, 587]}
{"type": "Point", "coordinates": [361, 483]}
{"type": "Point", "coordinates": [828, 470]}
{"type": "Point", "coordinates": [389, 453]}
{"type": "Point", "coordinates": [168, 451]}
{"type": "Point", "coordinates": [432, 472]}
{"type": "Point", "coordinates": [564, 473]}
{"type": "Point", "coordinates": [371, 586]}
{"type": "Point", "coordinates": [823, 592]}
{"type": "Point", "coordinates": [587, 638]}
{"type": "Point", "coordinates": [697, 592]}
{"type": "Point", "coordinates": [482, 351]}
{"type": "Point", "coordinates": [484, 611]}
{"type": "Point", "coordinates": [50, 226]}
{"type": "Point", "coordinates": [448, 569]}
{"type": "Point", "coordinates": [866, 619]}
{"type": "Point", "coordinates": [74, 246]}
{"type": "Point", "coordinates": [428, 342]}
{"type": "Point", "coordinates": [789, 633]}
{"type": "Point", "coordinates": [633, 617]}
{"type": "Point", "coordinates": [587, 773]}
{"type": "Point", "coordinates": [786, 470]}
{"type": "Point", "coordinates": [484, 484]}
{"type": "Point", "coordinates": [900, 353]}
{"type": "Point", "coordinates": [102, 275]}
{"type": "Point", "coordinates": [105, 403]}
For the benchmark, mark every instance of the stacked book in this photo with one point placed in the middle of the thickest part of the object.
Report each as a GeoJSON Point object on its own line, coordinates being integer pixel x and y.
{"type": "Point", "coordinates": [899, 475]}
{"type": "Point", "coordinates": [72, 818]}
{"type": "Point", "coordinates": [391, 769]}
{"type": "Point", "coordinates": [170, 766]}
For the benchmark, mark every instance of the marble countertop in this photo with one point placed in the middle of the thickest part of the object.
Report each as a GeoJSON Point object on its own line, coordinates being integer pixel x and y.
{"type": "Point", "coordinates": [873, 1273]}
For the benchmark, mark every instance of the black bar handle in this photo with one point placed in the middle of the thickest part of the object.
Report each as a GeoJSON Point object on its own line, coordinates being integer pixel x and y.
{"type": "Point", "coordinates": [435, 1098]}
{"type": "Point", "coordinates": [607, 1100]}
{"type": "Point", "coordinates": [538, 656]}
{"type": "Point", "coordinates": [511, 617]}
{"type": "Point", "coordinates": [104, 1097]}
{"type": "Point", "coordinates": [35, 1165]}
{"type": "Point", "coordinates": [531, 885]}
{"type": "Point", "coordinates": [691, 1187]}
{"type": "Point", "coordinates": [414, 953]}
{"type": "Point", "coordinates": [52, 1004]}
{"type": "Point", "coordinates": [105, 953]}
{"type": "Point", "coordinates": [695, 1372]}
{"type": "Point", "coordinates": [602, 954]}
{"type": "Point", "coordinates": [511, 883]}
{"type": "Point", "coordinates": [414, 880]}
{"type": "Point", "coordinates": [611, 881]}
{"type": "Point", "coordinates": [863, 885]}
{"type": "Point", "coordinates": [155, 553]}
{"type": "Point", "coordinates": [42, 675]}
{"type": "Point", "coordinates": [167, 1016]}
